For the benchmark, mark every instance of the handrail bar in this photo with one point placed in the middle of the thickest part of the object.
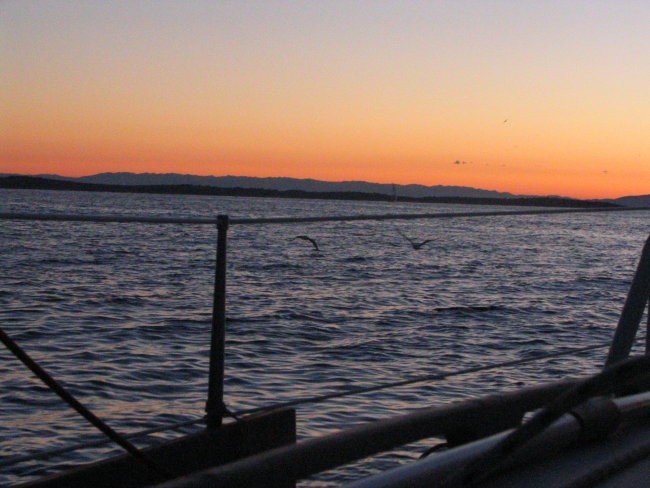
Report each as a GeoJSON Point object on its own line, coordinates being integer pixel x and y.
{"type": "Point", "coordinates": [318, 454]}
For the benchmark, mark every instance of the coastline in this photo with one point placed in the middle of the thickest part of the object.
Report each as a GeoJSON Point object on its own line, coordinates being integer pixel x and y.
{"type": "Point", "coordinates": [38, 183]}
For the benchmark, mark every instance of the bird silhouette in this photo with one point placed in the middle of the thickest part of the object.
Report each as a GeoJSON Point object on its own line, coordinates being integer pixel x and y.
{"type": "Point", "coordinates": [307, 238]}
{"type": "Point", "coordinates": [415, 245]}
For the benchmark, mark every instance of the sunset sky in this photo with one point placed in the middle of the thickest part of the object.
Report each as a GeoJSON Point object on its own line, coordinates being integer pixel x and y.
{"type": "Point", "coordinates": [531, 97]}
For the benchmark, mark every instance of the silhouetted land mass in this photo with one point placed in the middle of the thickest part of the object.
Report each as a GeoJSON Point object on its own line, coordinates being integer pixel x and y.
{"type": "Point", "coordinates": [37, 183]}
{"type": "Point", "coordinates": [281, 183]}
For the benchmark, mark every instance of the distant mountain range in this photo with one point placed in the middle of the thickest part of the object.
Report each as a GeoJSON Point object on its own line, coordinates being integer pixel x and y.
{"type": "Point", "coordinates": [293, 187]}
{"type": "Point", "coordinates": [283, 184]}
{"type": "Point", "coordinates": [632, 201]}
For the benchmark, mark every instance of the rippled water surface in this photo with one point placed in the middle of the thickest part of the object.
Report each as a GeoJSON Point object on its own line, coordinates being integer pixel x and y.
{"type": "Point", "coordinates": [120, 313]}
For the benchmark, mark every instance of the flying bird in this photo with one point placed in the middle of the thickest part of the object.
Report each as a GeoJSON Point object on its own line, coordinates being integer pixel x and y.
{"type": "Point", "coordinates": [307, 238]}
{"type": "Point", "coordinates": [415, 245]}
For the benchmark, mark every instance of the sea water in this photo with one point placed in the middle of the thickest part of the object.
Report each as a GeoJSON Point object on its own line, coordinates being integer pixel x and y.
{"type": "Point", "coordinates": [120, 313]}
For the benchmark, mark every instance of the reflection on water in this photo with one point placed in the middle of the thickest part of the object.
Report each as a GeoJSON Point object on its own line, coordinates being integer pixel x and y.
{"type": "Point", "coordinates": [120, 313]}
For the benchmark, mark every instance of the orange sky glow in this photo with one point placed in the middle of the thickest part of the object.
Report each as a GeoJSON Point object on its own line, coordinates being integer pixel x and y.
{"type": "Point", "coordinates": [536, 98]}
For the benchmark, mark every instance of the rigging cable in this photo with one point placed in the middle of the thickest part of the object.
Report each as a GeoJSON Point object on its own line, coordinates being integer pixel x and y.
{"type": "Point", "coordinates": [66, 396]}
{"type": "Point", "coordinates": [50, 453]}
{"type": "Point", "coordinates": [418, 379]}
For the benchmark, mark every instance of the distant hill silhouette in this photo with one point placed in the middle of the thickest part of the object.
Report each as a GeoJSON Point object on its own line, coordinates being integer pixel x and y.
{"type": "Point", "coordinates": [283, 184]}
{"type": "Point", "coordinates": [633, 201]}
{"type": "Point", "coordinates": [70, 184]}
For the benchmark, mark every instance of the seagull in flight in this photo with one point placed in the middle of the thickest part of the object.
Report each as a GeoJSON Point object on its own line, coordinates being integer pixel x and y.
{"type": "Point", "coordinates": [307, 238]}
{"type": "Point", "coordinates": [415, 245]}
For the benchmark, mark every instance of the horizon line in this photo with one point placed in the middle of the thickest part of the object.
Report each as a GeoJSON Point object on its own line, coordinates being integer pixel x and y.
{"type": "Point", "coordinates": [509, 194]}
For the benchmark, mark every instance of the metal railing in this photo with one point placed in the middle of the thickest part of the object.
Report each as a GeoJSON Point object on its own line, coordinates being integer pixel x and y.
{"type": "Point", "coordinates": [142, 219]}
{"type": "Point", "coordinates": [215, 407]}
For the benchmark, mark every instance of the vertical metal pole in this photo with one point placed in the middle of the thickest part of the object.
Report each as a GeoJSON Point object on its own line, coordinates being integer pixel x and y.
{"type": "Point", "coordinates": [647, 330]}
{"type": "Point", "coordinates": [635, 303]}
{"type": "Point", "coordinates": [215, 406]}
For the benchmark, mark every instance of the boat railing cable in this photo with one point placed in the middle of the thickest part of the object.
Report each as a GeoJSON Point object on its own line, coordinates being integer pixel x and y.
{"type": "Point", "coordinates": [146, 219]}
{"type": "Point", "coordinates": [67, 397]}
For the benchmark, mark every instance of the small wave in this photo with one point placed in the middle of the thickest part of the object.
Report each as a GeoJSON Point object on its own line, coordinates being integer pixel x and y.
{"type": "Point", "coordinates": [92, 318]}
{"type": "Point", "coordinates": [356, 259]}
{"type": "Point", "coordinates": [51, 299]}
{"type": "Point", "coordinates": [126, 300]}
{"type": "Point", "coordinates": [470, 308]}
{"type": "Point", "coordinates": [66, 261]}
{"type": "Point", "coordinates": [304, 317]}
{"type": "Point", "coordinates": [285, 316]}
{"type": "Point", "coordinates": [598, 279]}
{"type": "Point", "coordinates": [236, 320]}
{"type": "Point", "coordinates": [169, 321]}
{"type": "Point", "coordinates": [272, 266]}
{"type": "Point", "coordinates": [527, 344]}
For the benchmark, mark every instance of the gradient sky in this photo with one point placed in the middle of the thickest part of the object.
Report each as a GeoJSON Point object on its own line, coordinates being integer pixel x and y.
{"type": "Point", "coordinates": [530, 97]}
